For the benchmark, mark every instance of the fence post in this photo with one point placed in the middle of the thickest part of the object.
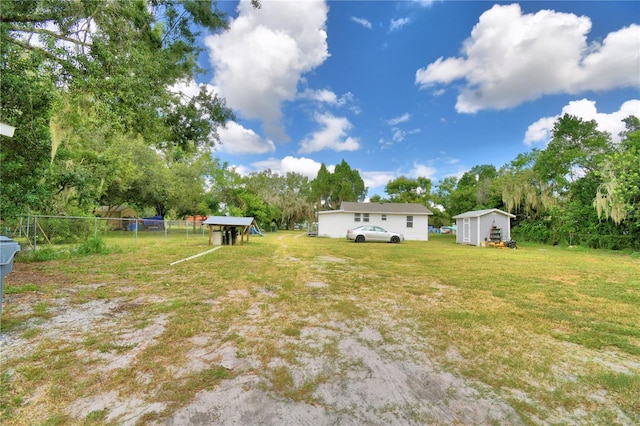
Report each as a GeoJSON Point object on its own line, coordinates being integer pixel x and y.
{"type": "Point", "coordinates": [95, 228]}
{"type": "Point", "coordinates": [28, 223]}
{"type": "Point", "coordinates": [35, 232]}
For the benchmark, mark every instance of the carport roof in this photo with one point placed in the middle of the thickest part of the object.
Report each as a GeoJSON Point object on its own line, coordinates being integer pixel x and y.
{"type": "Point", "coordinates": [228, 221]}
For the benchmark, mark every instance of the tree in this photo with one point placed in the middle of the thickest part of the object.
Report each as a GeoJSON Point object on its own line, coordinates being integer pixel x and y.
{"type": "Point", "coordinates": [329, 190]}
{"type": "Point", "coordinates": [186, 185]}
{"type": "Point", "coordinates": [443, 192]}
{"type": "Point", "coordinates": [347, 185]}
{"type": "Point", "coordinates": [474, 190]}
{"type": "Point", "coordinates": [405, 190]}
{"type": "Point", "coordinates": [105, 69]}
{"type": "Point", "coordinates": [576, 149]}
{"type": "Point", "coordinates": [523, 190]}
{"type": "Point", "coordinates": [321, 188]}
{"type": "Point", "coordinates": [618, 196]}
{"type": "Point", "coordinates": [26, 100]}
{"type": "Point", "coordinates": [287, 197]}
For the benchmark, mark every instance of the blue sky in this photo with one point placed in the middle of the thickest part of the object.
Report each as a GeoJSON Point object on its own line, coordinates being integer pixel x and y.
{"type": "Point", "coordinates": [415, 88]}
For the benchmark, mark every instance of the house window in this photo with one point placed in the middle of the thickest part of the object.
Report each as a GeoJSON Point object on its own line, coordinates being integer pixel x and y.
{"type": "Point", "coordinates": [365, 217]}
{"type": "Point", "coordinates": [384, 217]}
{"type": "Point", "coordinates": [409, 221]}
{"type": "Point", "coordinates": [356, 217]}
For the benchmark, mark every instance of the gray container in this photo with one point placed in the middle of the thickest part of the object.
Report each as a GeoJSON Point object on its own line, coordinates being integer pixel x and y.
{"type": "Point", "coordinates": [8, 248]}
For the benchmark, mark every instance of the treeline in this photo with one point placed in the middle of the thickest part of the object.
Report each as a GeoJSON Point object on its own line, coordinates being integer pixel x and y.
{"type": "Point", "coordinates": [582, 189]}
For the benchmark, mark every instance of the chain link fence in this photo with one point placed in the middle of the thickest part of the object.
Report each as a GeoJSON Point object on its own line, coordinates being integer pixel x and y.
{"type": "Point", "coordinates": [36, 231]}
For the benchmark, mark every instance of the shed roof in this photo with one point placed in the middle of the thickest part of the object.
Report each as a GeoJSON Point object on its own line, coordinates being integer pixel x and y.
{"type": "Point", "coordinates": [228, 221]}
{"type": "Point", "coordinates": [398, 208]}
{"type": "Point", "coordinates": [478, 213]}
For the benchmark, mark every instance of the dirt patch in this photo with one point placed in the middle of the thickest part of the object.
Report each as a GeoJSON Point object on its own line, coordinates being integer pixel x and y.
{"type": "Point", "coordinates": [364, 379]}
{"type": "Point", "coordinates": [367, 382]}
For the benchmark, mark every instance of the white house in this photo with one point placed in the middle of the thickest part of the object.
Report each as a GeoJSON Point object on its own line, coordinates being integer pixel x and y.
{"type": "Point", "coordinates": [411, 220]}
{"type": "Point", "coordinates": [477, 226]}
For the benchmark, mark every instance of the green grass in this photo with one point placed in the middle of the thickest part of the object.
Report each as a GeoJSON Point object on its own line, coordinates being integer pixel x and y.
{"type": "Point", "coordinates": [535, 319]}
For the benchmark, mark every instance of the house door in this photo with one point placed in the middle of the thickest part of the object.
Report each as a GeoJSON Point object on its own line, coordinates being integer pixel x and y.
{"type": "Point", "coordinates": [466, 230]}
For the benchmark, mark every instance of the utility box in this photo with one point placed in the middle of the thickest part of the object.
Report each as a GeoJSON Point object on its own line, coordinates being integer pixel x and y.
{"type": "Point", "coordinates": [8, 249]}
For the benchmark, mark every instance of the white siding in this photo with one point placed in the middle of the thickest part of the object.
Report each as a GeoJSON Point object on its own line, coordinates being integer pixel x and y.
{"type": "Point", "coordinates": [478, 229]}
{"type": "Point", "coordinates": [336, 223]}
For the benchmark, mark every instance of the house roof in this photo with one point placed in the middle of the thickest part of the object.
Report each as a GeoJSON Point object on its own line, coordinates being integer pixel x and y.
{"type": "Point", "coordinates": [478, 213]}
{"type": "Point", "coordinates": [228, 221]}
{"type": "Point", "coordinates": [385, 208]}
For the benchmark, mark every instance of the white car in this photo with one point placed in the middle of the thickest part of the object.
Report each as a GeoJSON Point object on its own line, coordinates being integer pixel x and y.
{"type": "Point", "coordinates": [373, 233]}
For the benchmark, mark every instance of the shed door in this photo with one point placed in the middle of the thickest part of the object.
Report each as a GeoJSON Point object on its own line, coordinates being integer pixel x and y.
{"type": "Point", "coordinates": [466, 230]}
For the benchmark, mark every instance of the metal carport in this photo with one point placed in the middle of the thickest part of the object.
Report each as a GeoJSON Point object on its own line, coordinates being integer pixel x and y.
{"type": "Point", "coordinates": [220, 225]}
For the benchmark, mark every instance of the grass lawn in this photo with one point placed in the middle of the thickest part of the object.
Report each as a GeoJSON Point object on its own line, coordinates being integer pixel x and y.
{"type": "Point", "coordinates": [554, 332]}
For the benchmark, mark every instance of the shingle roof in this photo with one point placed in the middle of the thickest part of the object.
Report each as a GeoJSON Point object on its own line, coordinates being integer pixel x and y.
{"type": "Point", "coordinates": [228, 221]}
{"type": "Point", "coordinates": [398, 208]}
{"type": "Point", "coordinates": [478, 213]}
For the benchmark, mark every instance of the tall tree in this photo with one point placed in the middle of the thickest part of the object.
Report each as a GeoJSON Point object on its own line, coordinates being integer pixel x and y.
{"type": "Point", "coordinates": [328, 190]}
{"type": "Point", "coordinates": [405, 190]}
{"type": "Point", "coordinates": [117, 60]}
{"type": "Point", "coordinates": [618, 196]}
{"type": "Point", "coordinates": [27, 96]}
{"type": "Point", "coordinates": [321, 188]}
{"type": "Point", "coordinates": [347, 185]}
{"type": "Point", "coordinates": [524, 192]}
{"type": "Point", "coordinates": [576, 148]}
{"type": "Point", "coordinates": [474, 190]}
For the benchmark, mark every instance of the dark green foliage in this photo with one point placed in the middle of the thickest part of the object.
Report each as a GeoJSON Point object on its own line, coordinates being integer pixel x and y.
{"type": "Point", "coordinates": [94, 245]}
{"type": "Point", "coordinates": [78, 97]}
{"type": "Point", "coordinates": [329, 190]}
{"type": "Point", "coordinates": [581, 190]}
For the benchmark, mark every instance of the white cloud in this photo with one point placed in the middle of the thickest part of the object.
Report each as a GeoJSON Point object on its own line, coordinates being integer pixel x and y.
{"type": "Point", "coordinates": [236, 139]}
{"type": "Point", "coordinates": [333, 135]}
{"type": "Point", "coordinates": [540, 131]}
{"type": "Point", "coordinates": [302, 165]}
{"type": "Point", "coordinates": [424, 3]}
{"type": "Point", "coordinates": [397, 136]}
{"type": "Point", "coordinates": [421, 170]}
{"type": "Point", "coordinates": [377, 179]}
{"type": "Point", "coordinates": [400, 119]}
{"type": "Point", "coordinates": [512, 57]}
{"type": "Point", "coordinates": [188, 88]}
{"type": "Point", "coordinates": [397, 24]}
{"type": "Point", "coordinates": [326, 96]}
{"type": "Point", "coordinates": [260, 59]}
{"type": "Point", "coordinates": [364, 22]}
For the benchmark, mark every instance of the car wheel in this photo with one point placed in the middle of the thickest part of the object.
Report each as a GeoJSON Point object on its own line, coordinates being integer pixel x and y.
{"type": "Point", "coordinates": [360, 239]}
{"type": "Point", "coordinates": [395, 239]}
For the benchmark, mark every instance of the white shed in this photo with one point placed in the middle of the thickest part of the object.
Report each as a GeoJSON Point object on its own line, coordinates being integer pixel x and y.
{"type": "Point", "coordinates": [477, 226]}
{"type": "Point", "coordinates": [411, 220]}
